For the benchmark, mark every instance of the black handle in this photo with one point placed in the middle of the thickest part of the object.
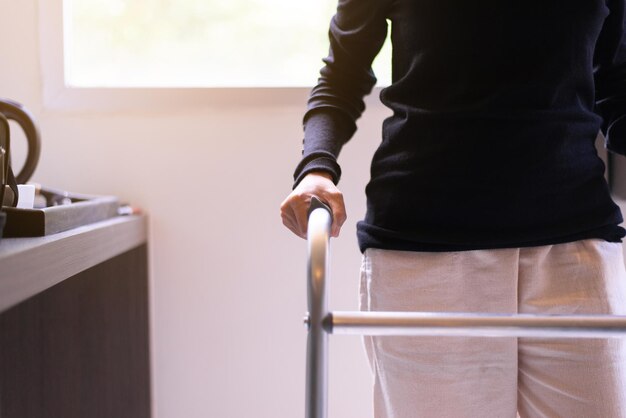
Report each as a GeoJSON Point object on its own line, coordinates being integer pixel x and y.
{"type": "Point", "coordinates": [6, 176]}
{"type": "Point", "coordinates": [15, 111]}
{"type": "Point", "coordinates": [318, 204]}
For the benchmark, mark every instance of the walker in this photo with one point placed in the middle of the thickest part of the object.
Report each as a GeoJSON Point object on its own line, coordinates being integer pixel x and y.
{"type": "Point", "coordinates": [320, 322]}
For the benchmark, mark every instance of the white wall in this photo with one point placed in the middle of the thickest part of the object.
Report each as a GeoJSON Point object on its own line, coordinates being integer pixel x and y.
{"type": "Point", "coordinates": [227, 289]}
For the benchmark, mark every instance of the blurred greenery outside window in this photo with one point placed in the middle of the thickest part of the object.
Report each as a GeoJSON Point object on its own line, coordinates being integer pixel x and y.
{"type": "Point", "coordinates": [199, 43]}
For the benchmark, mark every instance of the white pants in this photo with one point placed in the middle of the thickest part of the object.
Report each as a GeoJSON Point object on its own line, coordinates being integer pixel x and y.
{"type": "Point", "coordinates": [458, 377]}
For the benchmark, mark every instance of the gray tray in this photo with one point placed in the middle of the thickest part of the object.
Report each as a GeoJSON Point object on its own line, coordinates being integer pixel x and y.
{"type": "Point", "coordinates": [83, 210]}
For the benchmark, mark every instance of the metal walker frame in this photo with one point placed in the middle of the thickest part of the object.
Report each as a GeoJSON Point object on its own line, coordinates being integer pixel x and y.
{"type": "Point", "coordinates": [321, 322]}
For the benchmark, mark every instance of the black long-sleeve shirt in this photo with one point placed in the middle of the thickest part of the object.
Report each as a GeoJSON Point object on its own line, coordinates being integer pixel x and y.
{"type": "Point", "coordinates": [496, 107]}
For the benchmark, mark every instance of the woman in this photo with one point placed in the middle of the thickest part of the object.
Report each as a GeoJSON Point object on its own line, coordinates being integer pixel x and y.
{"type": "Point", "coordinates": [486, 195]}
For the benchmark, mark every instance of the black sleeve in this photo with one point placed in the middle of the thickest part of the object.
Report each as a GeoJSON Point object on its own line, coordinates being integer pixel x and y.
{"type": "Point", "coordinates": [610, 77]}
{"type": "Point", "coordinates": [357, 32]}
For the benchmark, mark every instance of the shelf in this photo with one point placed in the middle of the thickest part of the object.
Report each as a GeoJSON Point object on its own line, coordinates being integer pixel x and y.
{"type": "Point", "coordinates": [31, 265]}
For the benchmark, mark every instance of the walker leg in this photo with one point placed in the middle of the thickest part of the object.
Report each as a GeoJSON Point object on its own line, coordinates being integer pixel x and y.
{"type": "Point", "coordinates": [317, 373]}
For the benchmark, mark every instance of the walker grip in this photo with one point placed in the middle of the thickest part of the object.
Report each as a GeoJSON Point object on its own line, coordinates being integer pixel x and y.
{"type": "Point", "coordinates": [316, 203]}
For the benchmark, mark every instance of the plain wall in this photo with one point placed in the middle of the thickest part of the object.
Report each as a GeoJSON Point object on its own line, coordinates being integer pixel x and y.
{"type": "Point", "coordinates": [227, 280]}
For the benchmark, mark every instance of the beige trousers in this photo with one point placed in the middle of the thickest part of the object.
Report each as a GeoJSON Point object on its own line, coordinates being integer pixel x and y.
{"type": "Point", "coordinates": [480, 377]}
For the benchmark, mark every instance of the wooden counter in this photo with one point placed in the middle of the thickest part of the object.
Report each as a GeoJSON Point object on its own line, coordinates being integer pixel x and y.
{"type": "Point", "coordinates": [74, 338]}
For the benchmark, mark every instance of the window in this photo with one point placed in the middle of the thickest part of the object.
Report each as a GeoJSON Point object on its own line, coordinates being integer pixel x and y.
{"type": "Point", "coordinates": [193, 49]}
{"type": "Point", "coordinates": [195, 43]}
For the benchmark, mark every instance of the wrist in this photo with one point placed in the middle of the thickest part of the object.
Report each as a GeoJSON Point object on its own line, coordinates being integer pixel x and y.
{"type": "Point", "coordinates": [324, 174]}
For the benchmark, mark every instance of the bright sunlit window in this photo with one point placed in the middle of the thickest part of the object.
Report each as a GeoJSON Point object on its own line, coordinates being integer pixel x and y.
{"type": "Point", "coordinates": [198, 43]}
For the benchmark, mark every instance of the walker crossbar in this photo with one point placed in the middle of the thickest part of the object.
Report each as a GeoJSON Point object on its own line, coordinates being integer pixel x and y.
{"type": "Point", "coordinates": [470, 324]}
{"type": "Point", "coordinates": [320, 322]}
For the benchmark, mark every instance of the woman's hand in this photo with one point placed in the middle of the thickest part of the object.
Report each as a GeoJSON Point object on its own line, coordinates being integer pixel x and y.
{"type": "Point", "coordinates": [294, 208]}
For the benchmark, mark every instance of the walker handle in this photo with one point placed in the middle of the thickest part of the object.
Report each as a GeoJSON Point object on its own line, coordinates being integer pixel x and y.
{"type": "Point", "coordinates": [316, 203]}
{"type": "Point", "coordinates": [318, 235]}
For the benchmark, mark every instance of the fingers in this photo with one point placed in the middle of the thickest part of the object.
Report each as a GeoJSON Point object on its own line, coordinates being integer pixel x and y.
{"type": "Point", "coordinates": [290, 219]}
{"type": "Point", "coordinates": [337, 205]}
